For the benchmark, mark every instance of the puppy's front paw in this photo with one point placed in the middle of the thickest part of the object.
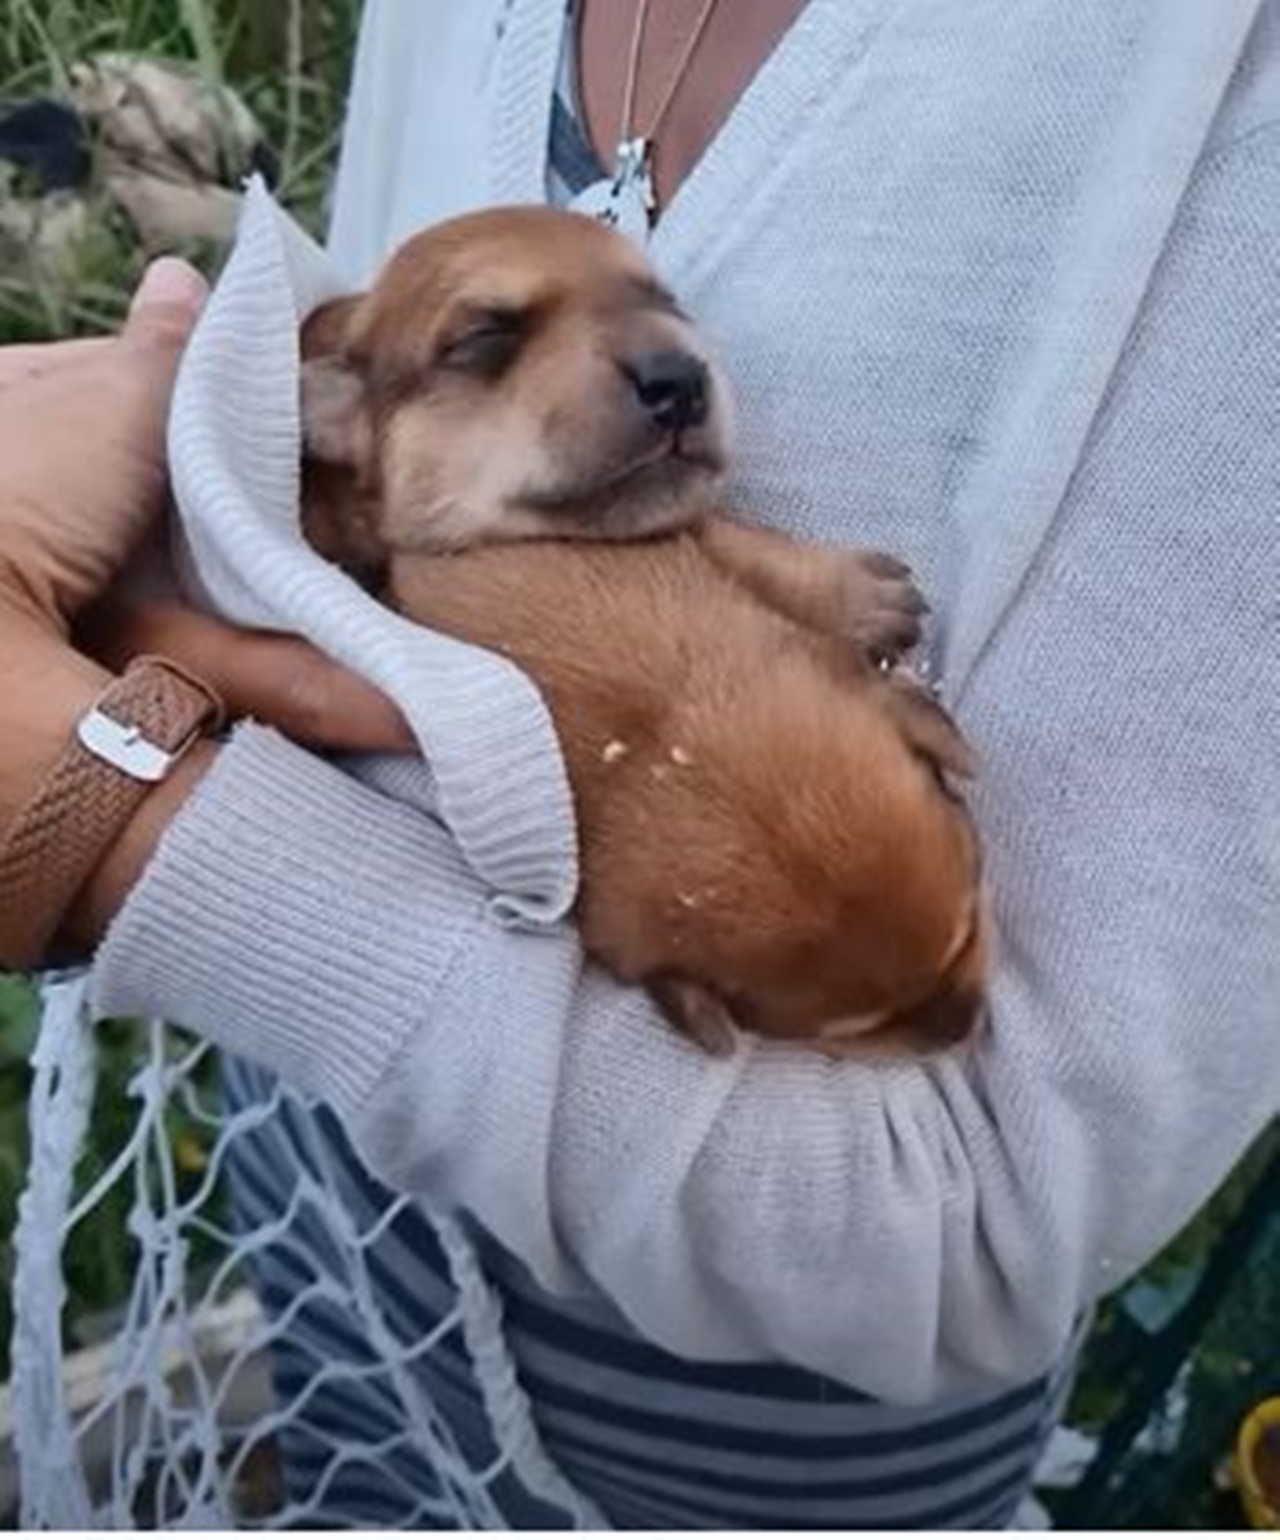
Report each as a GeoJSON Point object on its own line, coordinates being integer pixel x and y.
{"type": "Point", "coordinates": [882, 610]}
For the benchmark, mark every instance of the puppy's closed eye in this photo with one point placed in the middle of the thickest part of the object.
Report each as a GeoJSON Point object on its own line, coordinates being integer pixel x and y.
{"type": "Point", "coordinates": [485, 343]}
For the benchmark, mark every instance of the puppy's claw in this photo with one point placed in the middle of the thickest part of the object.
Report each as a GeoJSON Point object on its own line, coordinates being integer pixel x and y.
{"type": "Point", "coordinates": [881, 564]}
{"type": "Point", "coordinates": [890, 633]}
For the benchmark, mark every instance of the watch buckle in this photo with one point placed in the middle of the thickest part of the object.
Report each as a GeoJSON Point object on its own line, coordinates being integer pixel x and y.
{"type": "Point", "coordinates": [126, 746]}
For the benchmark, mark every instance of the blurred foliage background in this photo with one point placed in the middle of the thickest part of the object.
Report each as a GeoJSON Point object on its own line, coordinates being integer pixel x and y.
{"type": "Point", "coordinates": [289, 63]}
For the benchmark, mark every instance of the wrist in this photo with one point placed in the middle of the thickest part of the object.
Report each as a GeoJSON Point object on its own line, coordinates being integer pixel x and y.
{"type": "Point", "coordinates": [45, 688]}
{"type": "Point", "coordinates": [46, 692]}
{"type": "Point", "coordinates": [28, 602]}
{"type": "Point", "coordinates": [115, 876]}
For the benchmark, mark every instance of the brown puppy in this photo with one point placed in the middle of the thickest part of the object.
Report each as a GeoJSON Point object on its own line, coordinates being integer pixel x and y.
{"type": "Point", "coordinates": [767, 836]}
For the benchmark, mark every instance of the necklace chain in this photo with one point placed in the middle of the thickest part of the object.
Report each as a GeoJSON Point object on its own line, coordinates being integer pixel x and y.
{"type": "Point", "coordinates": [625, 199]}
{"type": "Point", "coordinates": [627, 133]}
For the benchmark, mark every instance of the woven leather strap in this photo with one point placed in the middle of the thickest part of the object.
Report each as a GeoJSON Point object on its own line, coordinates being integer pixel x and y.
{"type": "Point", "coordinates": [142, 723]}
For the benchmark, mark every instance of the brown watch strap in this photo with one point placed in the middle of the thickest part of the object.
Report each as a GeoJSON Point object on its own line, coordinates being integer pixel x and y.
{"type": "Point", "coordinates": [138, 728]}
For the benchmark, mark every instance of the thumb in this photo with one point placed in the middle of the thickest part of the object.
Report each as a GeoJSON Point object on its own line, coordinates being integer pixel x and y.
{"type": "Point", "coordinates": [167, 303]}
{"type": "Point", "coordinates": [162, 316]}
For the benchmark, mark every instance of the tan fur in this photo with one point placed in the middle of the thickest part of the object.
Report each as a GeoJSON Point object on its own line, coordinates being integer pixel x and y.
{"type": "Point", "coordinates": [441, 457]}
{"type": "Point", "coordinates": [767, 833]}
{"type": "Point", "coordinates": [753, 817]}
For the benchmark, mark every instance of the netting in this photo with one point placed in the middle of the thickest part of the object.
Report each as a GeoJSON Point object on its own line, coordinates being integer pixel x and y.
{"type": "Point", "coordinates": [261, 1371]}
{"type": "Point", "coordinates": [206, 1407]}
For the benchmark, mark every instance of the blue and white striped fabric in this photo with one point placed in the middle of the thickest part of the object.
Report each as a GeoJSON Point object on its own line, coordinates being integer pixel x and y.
{"type": "Point", "coordinates": [654, 1441]}
{"type": "Point", "coordinates": [572, 163]}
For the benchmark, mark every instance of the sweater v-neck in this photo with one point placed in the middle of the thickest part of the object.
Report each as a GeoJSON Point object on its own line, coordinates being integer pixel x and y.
{"type": "Point", "coordinates": [777, 112]}
{"type": "Point", "coordinates": [1109, 244]}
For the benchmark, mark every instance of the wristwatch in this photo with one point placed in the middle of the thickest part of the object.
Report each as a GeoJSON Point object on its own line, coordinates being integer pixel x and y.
{"type": "Point", "coordinates": [130, 739]}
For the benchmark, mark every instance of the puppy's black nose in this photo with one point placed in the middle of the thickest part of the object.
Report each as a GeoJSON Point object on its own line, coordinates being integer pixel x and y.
{"type": "Point", "coordinates": [673, 387]}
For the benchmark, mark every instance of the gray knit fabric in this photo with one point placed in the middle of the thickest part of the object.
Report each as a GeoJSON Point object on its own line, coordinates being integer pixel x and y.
{"type": "Point", "coordinates": [997, 285]}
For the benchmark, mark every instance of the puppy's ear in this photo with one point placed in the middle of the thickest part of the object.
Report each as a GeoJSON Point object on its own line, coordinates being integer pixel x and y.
{"type": "Point", "coordinates": [325, 331]}
{"type": "Point", "coordinates": [926, 725]}
{"type": "Point", "coordinates": [336, 429]}
{"type": "Point", "coordinates": [696, 1013]}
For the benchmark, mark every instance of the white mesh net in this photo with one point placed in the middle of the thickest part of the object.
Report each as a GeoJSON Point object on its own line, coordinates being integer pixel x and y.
{"type": "Point", "coordinates": [260, 1372]}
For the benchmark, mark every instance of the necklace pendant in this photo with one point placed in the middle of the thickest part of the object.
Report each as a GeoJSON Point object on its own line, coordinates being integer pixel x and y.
{"type": "Point", "coordinates": [631, 169]}
{"type": "Point", "coordinates": [625, 200]}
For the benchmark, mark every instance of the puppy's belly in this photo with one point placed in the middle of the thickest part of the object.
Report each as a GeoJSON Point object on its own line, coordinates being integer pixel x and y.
{"type": "Point", "coordinates": [750, 817]}
{"type": "Point", "coordinates": [656, 668]}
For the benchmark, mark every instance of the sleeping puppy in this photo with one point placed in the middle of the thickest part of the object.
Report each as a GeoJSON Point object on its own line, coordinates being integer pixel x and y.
{"type": "Point", "coordinates": [516, 436]}
{"type": "Point", "coordinates": [560, 388]}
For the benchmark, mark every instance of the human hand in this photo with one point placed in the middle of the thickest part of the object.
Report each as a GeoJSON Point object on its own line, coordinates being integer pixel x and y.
{"type": "Point", "coordinates": [82, 482]}
{"type": "Point", "coordinates": [82, 465]}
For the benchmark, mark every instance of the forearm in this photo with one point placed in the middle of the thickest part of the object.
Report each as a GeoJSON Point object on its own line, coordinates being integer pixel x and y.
{"type": "Point", "coordinates": [912, 1230]}
{"type": "Point", "coordinates": [294, 916]}
{"type": "Point", "coordinates": [805, 582]}
{"type": "Point", "coordinates": [297, 917]}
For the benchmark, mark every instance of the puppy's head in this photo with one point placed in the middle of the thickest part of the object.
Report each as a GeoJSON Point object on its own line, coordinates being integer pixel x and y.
{"type": "Point", "coordinates": [511, 374]}
{"type": "Point", "coordinates": [838, 899]}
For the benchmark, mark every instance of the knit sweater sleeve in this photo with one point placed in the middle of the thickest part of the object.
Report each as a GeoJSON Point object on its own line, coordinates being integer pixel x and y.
{"type": "Point", "coordinates": [299, 917]}
{"type": "Point", "coordinates": [910, 1230]}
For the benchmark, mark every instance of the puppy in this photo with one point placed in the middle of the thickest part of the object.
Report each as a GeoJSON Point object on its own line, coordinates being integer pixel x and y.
{"type": "Point", "coordinates": [517, 437]}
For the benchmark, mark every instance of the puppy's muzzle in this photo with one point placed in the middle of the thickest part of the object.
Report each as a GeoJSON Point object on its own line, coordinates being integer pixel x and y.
{"type": "Point", "coordinates": [674, 387]}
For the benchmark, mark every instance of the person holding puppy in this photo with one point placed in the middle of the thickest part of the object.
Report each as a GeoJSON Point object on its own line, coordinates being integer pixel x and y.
{"type": "Point", "coordinates": [992, 291]}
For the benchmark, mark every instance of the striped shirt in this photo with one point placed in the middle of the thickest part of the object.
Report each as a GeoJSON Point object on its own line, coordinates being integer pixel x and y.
{"type": "Point", "coordinates": [654, 1441]}
{"type": "Point", "coordinates": [572, 163]}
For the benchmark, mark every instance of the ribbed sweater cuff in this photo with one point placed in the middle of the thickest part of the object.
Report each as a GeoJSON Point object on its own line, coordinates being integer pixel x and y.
{"type": "Point", "coordinates": [293, 916]}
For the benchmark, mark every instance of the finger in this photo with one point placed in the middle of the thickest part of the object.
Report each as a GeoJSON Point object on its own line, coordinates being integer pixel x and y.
{"type": "Point", "coordinates": [170, 297]}
{"type": "Point", "coordinates": [162, 316]}
{"type": "Point", "coordinates": [164, 309]}
{"type": "Point", "coordinates": [280, 680]}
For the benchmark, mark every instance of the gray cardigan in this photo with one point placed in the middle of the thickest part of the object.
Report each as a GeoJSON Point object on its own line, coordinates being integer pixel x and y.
{"type": "Point", "coordinates": [997, 286]}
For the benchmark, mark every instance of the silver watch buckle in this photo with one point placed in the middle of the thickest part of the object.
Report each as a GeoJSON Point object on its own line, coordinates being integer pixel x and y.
{"type": "Point", "coordinates": [126, 746]}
